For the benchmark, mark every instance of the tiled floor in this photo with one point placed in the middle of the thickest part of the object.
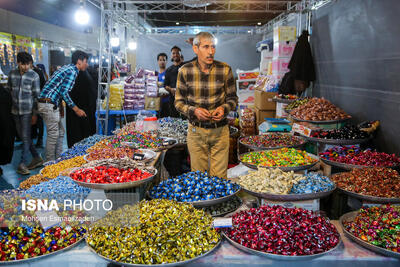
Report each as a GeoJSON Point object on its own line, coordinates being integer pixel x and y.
{"type": "Point", "coordinates": [10, 178]}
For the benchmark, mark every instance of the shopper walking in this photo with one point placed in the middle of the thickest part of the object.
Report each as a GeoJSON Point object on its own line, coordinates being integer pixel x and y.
{"type": "Point", "coordinates": [24, 85]}
{"type": "Point", "coordinates": [206, 93]}
{"type": "Point", "coordinates": [56, 90]}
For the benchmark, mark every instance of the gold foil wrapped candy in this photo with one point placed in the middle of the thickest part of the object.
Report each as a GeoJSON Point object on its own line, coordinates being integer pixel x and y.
{"type": "Point", "coordinates": [167, 232]}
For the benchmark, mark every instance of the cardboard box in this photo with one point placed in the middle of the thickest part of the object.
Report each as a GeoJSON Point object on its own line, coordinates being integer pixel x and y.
{"type": "Point", "coordinates": [261, 115]}
{"type": "Point", "coordinates": [283, 49]}
{"type": "Point", "coordinates": [284, 33]}
{"type": "Point", "coordinates": [246, 97]}
{"type": "Point", "coordinates": [152, 103]}
{"type": "Point", "coordinates": [280, 65]}
{"type": "Point", "coordinates": [263, 100]}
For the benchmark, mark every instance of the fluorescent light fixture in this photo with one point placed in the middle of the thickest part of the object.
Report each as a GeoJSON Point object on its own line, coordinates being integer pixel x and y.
{"type": "Point", "coordinates": [97, 60]}
{"type": "Point", "coordinates": [73, 48]}
{"type": "Point", "coordinates": [92, 60]}
{"type": "Point", "coordinates": [132, 45]}
{"type": "Point", "coordinates": [61, 49]}
{"type": "Point", "coordinates": [248, 31]}
{"type": "Point", "coordinates": [114, 41]}
{"type": "Point", "coordinates": [82, 16]}
{"type": "Point", "coordinates": [107, 60]}
{"type": "Point", "coordinates": [177, 23]}
{"type": "Point", "coordinates": [258, 23]}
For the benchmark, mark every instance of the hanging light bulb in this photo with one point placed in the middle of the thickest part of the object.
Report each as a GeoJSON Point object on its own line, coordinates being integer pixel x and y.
{"type": "Point", "coordinates": [132, 45]}
{"type": "Point", "coordinates": [81, 15]}
{"type": "Point", "coordinates": [114, 39]}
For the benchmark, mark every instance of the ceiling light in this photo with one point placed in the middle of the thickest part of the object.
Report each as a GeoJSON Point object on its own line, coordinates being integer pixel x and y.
{"type": "Point", "coordinates": [92, 60]}
{"type": "Point", "coordinates": [97, 60]}
{"type": "Point", "coordinates": [248, 31]}
{"type": "Point", "coordinates": [81, 15]}
{"type": "Point", "coordinates": [177, 23]}
{"type": "Point", "coordinates": [107, 60]}
{"type": "Point", "coordinates": [196, 3]}
{"type": "Point", "coordinates": [132, 45]}
{"type": "Point", "coordinates": [73, 48]}
{"type": "Point", "coordinates": [259, 23]}
{"type": "Point", "coordinates": [61, 49]}
{"type": "Point", "coordinates": [215, 41]}
{"type": "Point", "coordinates": [114, 41]}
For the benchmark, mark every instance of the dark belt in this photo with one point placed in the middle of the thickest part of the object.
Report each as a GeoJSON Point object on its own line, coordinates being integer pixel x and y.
{"type": "Point", "coordinates": [48, 101]}
{"type": "Point", "coordinates": [209, 125]}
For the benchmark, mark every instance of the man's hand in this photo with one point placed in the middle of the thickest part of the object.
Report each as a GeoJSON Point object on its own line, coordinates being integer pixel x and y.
{"type": "Point", "coordinates": [218, 114]}
{"type": "Point", "coordinates": [34, 120]}
{"type": "Point", "coordinates": [190, 41]}
{"type": "Point", "coordinates": [79, 112]}
{"type": "Point", "coordinates": [202, 114]}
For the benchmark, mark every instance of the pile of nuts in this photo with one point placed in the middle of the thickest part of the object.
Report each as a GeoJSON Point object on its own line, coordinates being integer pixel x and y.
{"type": "Point", "coordinates": [319, 109]}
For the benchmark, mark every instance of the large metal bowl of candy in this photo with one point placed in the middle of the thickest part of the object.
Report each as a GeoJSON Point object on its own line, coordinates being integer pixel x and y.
{"type": "Point", "coordinates": [196, 188]}
{"type": "Point", "coordinates": [271, 141]}
{"type": "Point", "coordinates": [349, 218]}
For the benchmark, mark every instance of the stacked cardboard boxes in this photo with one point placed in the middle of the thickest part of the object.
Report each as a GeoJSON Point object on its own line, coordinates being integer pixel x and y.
{"type": "Point", "coordinates": [265, 106]}
{"type": "Point", "coordinates": [284, 44]}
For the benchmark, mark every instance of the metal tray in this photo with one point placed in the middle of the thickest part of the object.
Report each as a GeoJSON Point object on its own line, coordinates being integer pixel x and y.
{"type": "Point", "coordinates": [373, 199]}
{"type": "Point", "coordinates": [297, 168]}
{"type": "Point", "coordinates": [149, 155]}
{"type": "Point", "coordinates": [41, 256]}
{"type": "Point", "coordinates": [320, 122]}
{"type": "Point", "coordinates": [285, 101]}
{"type": "Point", "coordinates": [291, 197]}
{"type": "Point", "coordinates": [349, 167]}
{"type": "Point", "coordinates": [117, 186]}
{"type": "Point", "coordinates": [337, 141]}
{"type": "Point", "coordinates": [225, 213]}
{"type": "Point", "coordinates": [161, 148]}
{"type": "Point", "coordinates": [259, 148]}
{"type": "Point", "coordinates": [350, 217]}
{"type": "Point", "coordinates": [205, 203]}
{"type": "Point", "coordinates": [277, 256]}
{"type": "Point", "coordinates": [156, 265]}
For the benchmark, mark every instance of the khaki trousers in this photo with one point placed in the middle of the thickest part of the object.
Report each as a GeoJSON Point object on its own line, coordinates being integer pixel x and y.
{"type": "Point", "coordinates": [209, 149]}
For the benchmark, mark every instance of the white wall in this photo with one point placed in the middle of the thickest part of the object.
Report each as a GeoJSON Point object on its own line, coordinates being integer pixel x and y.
{"type": "Point", "coordinates": [239, 51]}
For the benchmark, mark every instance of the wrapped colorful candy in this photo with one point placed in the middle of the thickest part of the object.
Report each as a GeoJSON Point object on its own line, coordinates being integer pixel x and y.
{"type": "Point", "coordinates": [284, 157]}
{"type": "Point", "coordinates": [153, 232]}
{"type": "Point", "coordinates": [283, 231]}
{"type": "Point", "coordinates": [108, 175]}
{"type": "Point", "coordinates": [52, 171]}
{"type": "Point", "coordinates": [312, 182]}
{"type": "Point", "coordinates": [378, 226]}
{"type": "Point", "coordinates": [377, 182]}
{"type": "Point", "coordinates": [193, 186]}
{"type": "Point", "coordinates": [348, 132]}
{"type": "Point", "coordinates": [353, 155]}
{"type": "Point", "coordinates": [173, 128]}
{"type": "Point", "coordinates": [138, 140]}
{"type": "Point", "coordinates": [106, 153]}
{"type": "Point", "coordinates": [297, 103]}
{"type": "Point", "coordinates": [272, 140]}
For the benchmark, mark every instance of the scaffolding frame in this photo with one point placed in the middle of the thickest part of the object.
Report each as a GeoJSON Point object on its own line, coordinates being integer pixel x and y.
{"type": "Point", "coordinates": [126, 13]}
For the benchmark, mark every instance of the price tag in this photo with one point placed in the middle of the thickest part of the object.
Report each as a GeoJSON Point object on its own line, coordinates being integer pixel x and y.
{"type": "Point", "coordinates": [222, 222]}
{"type": "Point", "coordinates": [48, 219]}
{"type": "Point", "coordinates": [138, 156]}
